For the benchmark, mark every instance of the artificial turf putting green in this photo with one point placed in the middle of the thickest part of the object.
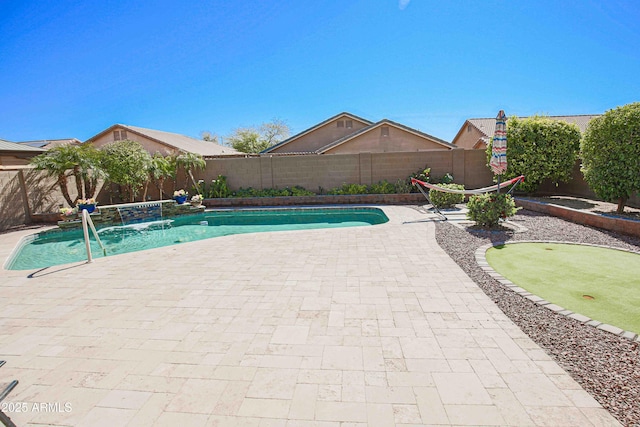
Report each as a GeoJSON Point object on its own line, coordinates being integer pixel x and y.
{"type": "Point", "coordinates": [603, 284]}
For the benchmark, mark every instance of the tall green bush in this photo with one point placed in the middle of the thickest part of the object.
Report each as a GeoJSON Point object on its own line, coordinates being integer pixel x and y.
{"type": "Point", "coordinates": [540, 148]}
{"type": "Point", "coordinates": [610, 152]}
{"type": "Point", "coordinates": [126, 163]}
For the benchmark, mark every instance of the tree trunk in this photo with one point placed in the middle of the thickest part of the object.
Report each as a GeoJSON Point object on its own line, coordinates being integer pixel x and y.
{"type": "Point", "coordinates": [622, 201]}
{"type": "Point", "coordinates": [78, 178]}
{"type": "Point", "coordinates": [195, 184]}
{"type": "Point", "coordinates": [62, 183]}
{"type": "Point", "coordinates": [92, 183]}
{"type": "Point", "coordinates": [160, 186]}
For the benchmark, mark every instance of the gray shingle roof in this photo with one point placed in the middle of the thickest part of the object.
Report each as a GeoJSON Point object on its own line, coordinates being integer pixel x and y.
{"type": "Point", "coordinates": [179, 142]}
{"type": "Point", "coordinates": [50, 143]}
{"type": "Point", "coordinates": [488, 125]}
{"type": "Point", "coordinates": [12, 146]}
{"type": "Point", "coordinates": [314, 127]}
{"type": "Point", "coordinates": [378, 124]}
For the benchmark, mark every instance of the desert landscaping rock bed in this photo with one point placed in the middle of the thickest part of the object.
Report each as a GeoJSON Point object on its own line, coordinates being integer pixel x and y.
{"type": "Point", "coordinates": [606, 365]}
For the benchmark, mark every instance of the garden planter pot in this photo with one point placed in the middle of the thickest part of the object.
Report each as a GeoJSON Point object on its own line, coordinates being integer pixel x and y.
{"type": "Point", "coordinates": [89, 208]}
{"type": "Point", "coordinates": [180, 199]}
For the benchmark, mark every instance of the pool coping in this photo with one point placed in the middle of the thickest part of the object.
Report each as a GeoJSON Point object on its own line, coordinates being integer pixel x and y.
{"type": "Point", "coordinates": [481, 260]}
{"type": "Point", "coordinates": [25, 236]}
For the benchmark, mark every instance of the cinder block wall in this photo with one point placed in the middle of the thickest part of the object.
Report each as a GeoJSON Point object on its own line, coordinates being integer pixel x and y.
{"type": "Point", "coordinates": [12, 211]}
{"type": "Point", "coordinates": [332, 170]}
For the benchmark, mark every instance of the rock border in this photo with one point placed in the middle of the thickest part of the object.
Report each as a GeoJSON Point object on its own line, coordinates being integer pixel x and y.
{"type": "Point", "coordinates": [481, 259]}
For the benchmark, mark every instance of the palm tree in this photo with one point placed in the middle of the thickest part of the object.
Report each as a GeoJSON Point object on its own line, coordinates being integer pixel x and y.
{"type": "Point", "coordinates": [56, 162]}
{"type": "Point", "coordinates": [191, 161]}
{"type": "Point", "coordinates": [161, 168]}
{"type": "Point", "coordinates": [79, 161]}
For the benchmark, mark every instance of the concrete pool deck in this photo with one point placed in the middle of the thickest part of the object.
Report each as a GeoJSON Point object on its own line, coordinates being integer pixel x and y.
{"type": "Point", "coordinates": [365, 326]}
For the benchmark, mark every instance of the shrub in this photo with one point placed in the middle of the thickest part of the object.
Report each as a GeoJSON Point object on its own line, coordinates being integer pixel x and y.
{"type": "Point", "coordinates": [349, 189]}
{"type": "Point", "coordinates": [422, 175]}
{"type": "Point", "coordinates": [300, 191]}
{"type": "Point", "coordinates": [219, 188]}
{"type": "Point", "coordinates": [446, 200]}
{"type": "Point", "coordinates": [382, 187]}
{"type": "Point", "coordinates": [403, 186]}
{"type": "Point", "coordinates": [487, 209]}
{"type": "Point", "coordinates": [273, 192]}
{"type": "Point", "coordinates": [540, 148]}
{"type": "Point", "coordinates": [446, 179]}
{"type": "Point", "coordinates": [610, 152]}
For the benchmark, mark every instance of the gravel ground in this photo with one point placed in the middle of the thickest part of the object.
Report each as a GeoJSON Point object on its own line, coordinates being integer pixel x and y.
{"type": "Point", "coordinates": [607, 366]}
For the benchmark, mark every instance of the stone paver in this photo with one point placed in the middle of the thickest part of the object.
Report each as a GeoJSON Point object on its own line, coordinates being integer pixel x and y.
{"type": "Point", "coordinates": [354, 326]}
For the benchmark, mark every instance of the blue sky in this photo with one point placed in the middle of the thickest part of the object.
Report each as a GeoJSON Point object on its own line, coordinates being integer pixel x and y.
{"type": "Point", "coordinates": [70, 69]}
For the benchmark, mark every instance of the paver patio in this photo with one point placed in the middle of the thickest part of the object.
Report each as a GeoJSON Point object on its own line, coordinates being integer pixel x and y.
{"type": "Point", "coordinates": [360, 326]}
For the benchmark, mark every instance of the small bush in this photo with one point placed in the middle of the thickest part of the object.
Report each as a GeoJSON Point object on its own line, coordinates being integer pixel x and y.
{"type": "Point", "coordinates": [300, 191]}
{"type": "Point", "coordinates": [422, 175]}
{"type": "Point", "coordinates": [219, 188]}
{"type": "Point", "coordinates": [446, 200]}
{"type": "Point", "coordinates": [446, 179]}
{"type": "Point", "coordinates": [404, 186]}
{"type": "Point", "coordinates": [382, 187]}
{"type": "Point", "coordinates": [486, 210]}
{"type": "Point", "coordinates": [349, 189]}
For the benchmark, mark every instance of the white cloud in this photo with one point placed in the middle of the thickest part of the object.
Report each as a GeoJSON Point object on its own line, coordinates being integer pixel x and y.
{"type": "Point", "coordinates": [402, 4]}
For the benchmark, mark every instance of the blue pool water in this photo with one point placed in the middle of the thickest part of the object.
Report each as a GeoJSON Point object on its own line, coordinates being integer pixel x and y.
{"type": "Point", "coordinates": [57, 247]}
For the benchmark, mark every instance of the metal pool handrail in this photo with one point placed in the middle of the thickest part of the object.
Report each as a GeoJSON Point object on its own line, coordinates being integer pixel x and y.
{"type": "Point", "coordinates": [86, 220]}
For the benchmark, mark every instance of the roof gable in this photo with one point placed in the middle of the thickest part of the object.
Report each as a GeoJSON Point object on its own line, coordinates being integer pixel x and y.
{"type": "Point", "coordinates": [172, 140]}
{"type": "Point", "coordinates": [379, 124]}
{"type": "Point", "coordinates": [487, 126]}
{"type": "Point", "coordinates": [343, 115]}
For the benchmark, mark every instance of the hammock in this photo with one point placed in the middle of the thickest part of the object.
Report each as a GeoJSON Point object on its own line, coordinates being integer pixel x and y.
{"type": "Point", "coordinates": [419, 184]}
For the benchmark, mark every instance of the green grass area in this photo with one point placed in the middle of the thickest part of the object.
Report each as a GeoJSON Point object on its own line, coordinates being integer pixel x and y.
{"type": "Point", "coordinates": [601, 283]}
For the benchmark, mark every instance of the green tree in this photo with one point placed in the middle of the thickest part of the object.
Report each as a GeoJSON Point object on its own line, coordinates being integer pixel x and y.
{"type": "Point", "coordinates": [160, 168]}
{"type": "Point", "coordinates": [610, 152]}
{"type": "Point", "coordinates": [126, 163]}
{"type": "Point", "coordinates": [80, 161]}
{"type": "Point", "coordinates": [540, 148]}
{"type": "Point", "coordinates": [257, 139]}
{"type": "Point", "coordinates": [208, 136]}
{"type": "Point", "coordinates": [190, 162]}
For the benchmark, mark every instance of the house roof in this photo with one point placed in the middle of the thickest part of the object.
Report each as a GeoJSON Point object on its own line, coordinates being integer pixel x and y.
{"type": "Point", "coordinates": [488, 125]}
{"type": "Point", "coordinates": [174, 140]}
{"type": "Point", "coordinates": [50, 143]}
{"type": "Point", "coordinates": [15, 147]}
{"type": "Point", "coordinates": [377, 125]}
{"type": "Point", "coordinates": [313, 128]}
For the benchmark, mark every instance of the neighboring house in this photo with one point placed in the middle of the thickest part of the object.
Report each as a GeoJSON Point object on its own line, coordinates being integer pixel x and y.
{"type": "Point", "coordinates": [476, 133]}
{"type": "Point", "coordinates": [13, 154]}
{"type": "Point", "coordinates": [46, 144]}
{"type": "Point", "coordinates": [156, 141]}
{"type": "Point", "coordinates": [346, 133]}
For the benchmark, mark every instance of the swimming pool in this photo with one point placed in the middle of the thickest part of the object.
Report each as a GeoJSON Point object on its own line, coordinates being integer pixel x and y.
{"type": "Point", "coordinates": [55, 247]}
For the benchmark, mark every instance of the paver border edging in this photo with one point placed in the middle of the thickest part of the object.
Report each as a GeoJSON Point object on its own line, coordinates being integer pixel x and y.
{"type": "Point", "coordinates": [481, 259]}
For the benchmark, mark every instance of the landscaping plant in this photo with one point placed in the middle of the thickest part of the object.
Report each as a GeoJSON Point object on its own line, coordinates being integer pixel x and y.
{"type": "Point", "coordinates": [540, 148]}
{"type": "Point", "coordinates": [446, 200]}
{"type": "Point", "coordinates": [486, 210]}
{"type": "Point", "coordinates": [610, 153]}
{"type": "Point", "coordinates": [126, 163]}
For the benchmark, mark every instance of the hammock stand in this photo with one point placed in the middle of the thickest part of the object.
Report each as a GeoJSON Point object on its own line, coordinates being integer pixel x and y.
{"type": "Point", "coordinates": [419, 184]}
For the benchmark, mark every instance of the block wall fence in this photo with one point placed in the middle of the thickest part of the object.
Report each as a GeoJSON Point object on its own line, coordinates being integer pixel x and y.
{"type": "Point", "coordinates": [28, 196]}
{"type": "Point", "coordinates": [332, 170]}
